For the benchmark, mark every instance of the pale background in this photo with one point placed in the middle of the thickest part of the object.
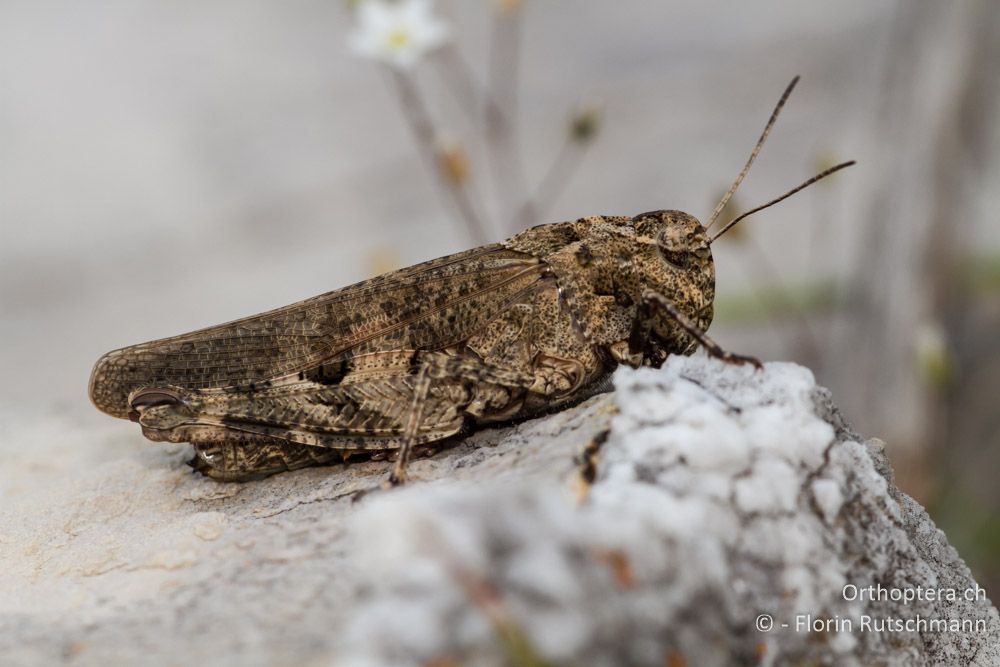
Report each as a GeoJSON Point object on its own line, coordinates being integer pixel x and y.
{"type": "Point", "coordinates": [170, 165]}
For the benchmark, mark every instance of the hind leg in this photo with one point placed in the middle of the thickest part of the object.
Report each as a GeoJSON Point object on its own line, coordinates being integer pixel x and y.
{"type": "Point", "coordinates": [238, 462]}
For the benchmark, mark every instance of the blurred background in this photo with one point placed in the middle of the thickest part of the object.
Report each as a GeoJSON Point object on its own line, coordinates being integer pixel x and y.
{"type": "Point", "coordinates": [170, 165]}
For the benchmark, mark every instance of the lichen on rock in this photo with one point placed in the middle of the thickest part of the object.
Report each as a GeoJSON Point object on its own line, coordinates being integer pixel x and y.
{"type": "Point", "coordinates": [722, 496]}
{"type": "Point", "coordinates": [735, 518]}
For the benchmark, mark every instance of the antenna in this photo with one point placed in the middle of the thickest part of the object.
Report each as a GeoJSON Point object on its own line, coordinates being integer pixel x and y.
{"type": "Point", "coordinates": [817, 177]}
{"type": "Point", "coordinates": [753, 156]}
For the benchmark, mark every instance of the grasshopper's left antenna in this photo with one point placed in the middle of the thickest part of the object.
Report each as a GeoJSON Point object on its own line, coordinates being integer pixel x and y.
{"type": "Point", "coordinates": [753, 156]}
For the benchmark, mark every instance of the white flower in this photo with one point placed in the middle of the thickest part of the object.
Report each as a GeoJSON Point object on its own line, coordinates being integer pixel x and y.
{"type": "Point", "coordinates": [398, 33]}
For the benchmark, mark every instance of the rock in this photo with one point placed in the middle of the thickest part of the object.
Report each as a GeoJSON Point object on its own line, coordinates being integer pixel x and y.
{"type": "Point", "coordinates": [735, 519]}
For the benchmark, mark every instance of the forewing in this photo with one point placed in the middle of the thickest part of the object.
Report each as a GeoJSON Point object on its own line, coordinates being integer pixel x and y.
{"type": "Point", "coordinates": [427, 306]}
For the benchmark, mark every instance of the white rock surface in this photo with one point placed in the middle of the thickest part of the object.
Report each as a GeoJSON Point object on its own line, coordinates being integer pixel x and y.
{"type": "Point", "coordinates": [722, 494]}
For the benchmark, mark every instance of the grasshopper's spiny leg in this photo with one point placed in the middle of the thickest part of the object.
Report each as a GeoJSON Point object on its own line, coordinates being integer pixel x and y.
{"type": "Point", "coordinates": [657, 300]}
{"type": "Point", "coordinates": [436, 366]}
{"type": "Point", "coordinates": [421, 388]}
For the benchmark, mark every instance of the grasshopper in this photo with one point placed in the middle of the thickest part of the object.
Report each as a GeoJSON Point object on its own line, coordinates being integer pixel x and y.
{"type": "Point", "coordinates": [501, 332]}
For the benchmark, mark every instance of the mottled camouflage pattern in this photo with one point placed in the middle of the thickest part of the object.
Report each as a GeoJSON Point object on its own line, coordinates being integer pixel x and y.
{"type": "Point", "coordinates": [504, 331]}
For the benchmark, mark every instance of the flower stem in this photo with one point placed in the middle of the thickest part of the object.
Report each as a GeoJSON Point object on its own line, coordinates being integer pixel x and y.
{"type": "Point", "coordinates": [425, 134]}
{"type": "Point", "coordinates": [458, 77]}
{"type": "Point", "coordinates": [551, 186]}
{"type": "Point", "coordinates": [506, 164]}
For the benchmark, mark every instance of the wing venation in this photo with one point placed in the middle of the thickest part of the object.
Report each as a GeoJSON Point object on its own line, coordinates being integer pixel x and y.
{"type": "Point", "coordinates": [427, 306]}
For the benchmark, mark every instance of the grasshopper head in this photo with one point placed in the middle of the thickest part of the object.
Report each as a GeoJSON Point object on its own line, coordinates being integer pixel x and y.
{"type": "Point", "coordinates": [675, 260]}
{"type": "Point", "coordinates": [681, 240]}
{"type": "Point", "coordinates": [605, 264]}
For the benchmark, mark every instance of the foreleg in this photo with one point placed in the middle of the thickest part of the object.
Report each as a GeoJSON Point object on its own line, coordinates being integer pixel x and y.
{"type": "Point", "coordinates": [654, 300]}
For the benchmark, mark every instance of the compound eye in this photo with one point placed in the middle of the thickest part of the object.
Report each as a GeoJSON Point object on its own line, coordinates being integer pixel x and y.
{"type": "Point", "coordinates": [674, 247]}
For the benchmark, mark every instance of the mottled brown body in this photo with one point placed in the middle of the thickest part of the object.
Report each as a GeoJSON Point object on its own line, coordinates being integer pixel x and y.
{"type": "Point", "coordinates": [502, 332]}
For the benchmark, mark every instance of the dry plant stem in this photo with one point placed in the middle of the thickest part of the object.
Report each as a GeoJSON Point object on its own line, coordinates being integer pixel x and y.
{"type": "Point", "coordinates": [552, 184]}
{"type": "Point", "coordinates": [506, 166]}
{"type": "Point", "coordinates": [458, 78]}
{"type": "Point", "coordinates": [420, 123]}
{"type": "Point", "coordinates": [461, 81]}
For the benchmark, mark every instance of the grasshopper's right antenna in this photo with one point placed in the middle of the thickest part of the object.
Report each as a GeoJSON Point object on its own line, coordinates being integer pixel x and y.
{"type": "Point", "coordinates": [753, 156]}
{"type": "Point", "coordinates": [821, 175]}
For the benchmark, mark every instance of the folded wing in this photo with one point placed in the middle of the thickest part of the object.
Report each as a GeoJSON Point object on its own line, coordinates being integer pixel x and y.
{"type": "Point", "coordinates": [429, 306]}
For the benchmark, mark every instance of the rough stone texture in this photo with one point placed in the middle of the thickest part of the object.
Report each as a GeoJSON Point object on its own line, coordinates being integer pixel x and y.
{"type": "Point", "coordinates": [722, 494]}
